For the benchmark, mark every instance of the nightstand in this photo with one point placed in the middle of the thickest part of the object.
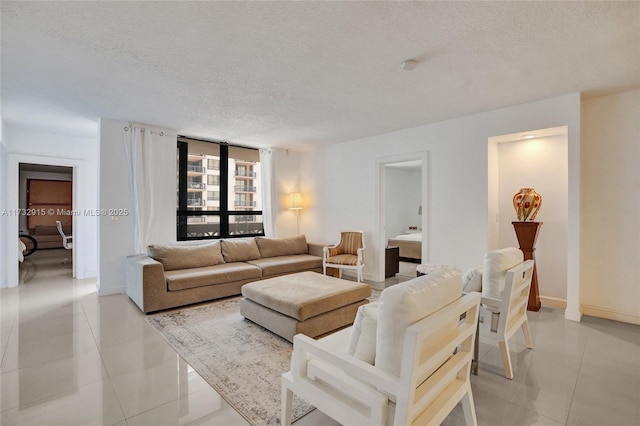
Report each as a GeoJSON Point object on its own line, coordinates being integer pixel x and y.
{"type": "Point", "coordinates": [391, 261]}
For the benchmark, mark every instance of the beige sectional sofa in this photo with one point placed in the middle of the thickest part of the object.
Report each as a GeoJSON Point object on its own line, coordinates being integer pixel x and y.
{"type": "Point", "coordinates": [177, 275]}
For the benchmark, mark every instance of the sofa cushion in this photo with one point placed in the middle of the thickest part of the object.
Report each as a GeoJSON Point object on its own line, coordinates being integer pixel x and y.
{"type": "Point", "coordinates": [496, 265]}
{"type": "Point", "coordinates": [272, 247]}
{"type": "Point", "coordinates": [362, 341]}
{"type": "Point", "coordinates": [211, 275]}
{"type": "Point", "coordinates": [185, 257]}
{"type": "Point", "coordinates": [402, 305]}
{"type": "Point", "coordinates": [239, 250]}
{"type": "Point", "coordinates": [287, 264]}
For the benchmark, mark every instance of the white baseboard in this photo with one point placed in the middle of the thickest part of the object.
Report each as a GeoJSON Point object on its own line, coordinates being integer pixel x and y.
{"type": "Point", "coordinates": [595, 311]}
{"type": "Point", "coordinates": [83, 275]}
{"type": "Point", "coordinates": [573, 316]}
{"type": "Point", "coordinates": [111, 290]}
{"type": "Point", "coordinates": [553, 301]}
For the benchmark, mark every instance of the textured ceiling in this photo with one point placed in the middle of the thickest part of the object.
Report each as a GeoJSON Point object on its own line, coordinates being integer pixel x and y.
{"type": "Point", "coordinates": [299, 74]}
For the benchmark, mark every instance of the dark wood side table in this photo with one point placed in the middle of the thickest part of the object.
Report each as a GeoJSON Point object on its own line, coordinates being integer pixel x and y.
{"type": "Point", "coordinates": [391, 261]}
{"type": "Point", "coordinates": [527, 233]}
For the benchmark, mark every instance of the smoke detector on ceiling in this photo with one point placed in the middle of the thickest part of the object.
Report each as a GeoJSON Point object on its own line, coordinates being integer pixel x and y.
{"type": "Point", "coordinates": [409, 64]}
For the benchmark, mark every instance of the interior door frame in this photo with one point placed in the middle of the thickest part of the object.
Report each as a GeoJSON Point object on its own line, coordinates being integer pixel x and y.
{"type": "Point", "coordinates": [12, 204]}
{"type": "Point", "coordinates": [381, 163]}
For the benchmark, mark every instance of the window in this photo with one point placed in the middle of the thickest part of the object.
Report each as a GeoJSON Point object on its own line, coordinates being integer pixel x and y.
{"type": "Point", "coordinates": [213, 180]}
{"type": "Point", "coordinates": [232, 210]}
{"type": "Point", "coordinates": [213, 164]}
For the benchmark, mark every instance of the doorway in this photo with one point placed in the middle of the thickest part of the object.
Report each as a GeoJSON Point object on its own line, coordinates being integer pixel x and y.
{"type": "Point", "coordinates": [10, 262]}
{"type": "Point", "coordinates": [402, 210]}
{"type": "Point", "coordinates": [46, 194]}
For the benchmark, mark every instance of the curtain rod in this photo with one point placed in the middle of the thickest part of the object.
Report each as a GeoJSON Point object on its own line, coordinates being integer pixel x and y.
{"type": "Point", "coordinates": [153, 129]}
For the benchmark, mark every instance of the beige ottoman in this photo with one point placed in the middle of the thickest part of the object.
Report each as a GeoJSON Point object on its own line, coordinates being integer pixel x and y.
{"type": "Point", "coordinates": [307, 302]}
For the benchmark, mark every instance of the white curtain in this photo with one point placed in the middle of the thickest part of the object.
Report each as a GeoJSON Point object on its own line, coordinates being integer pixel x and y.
{"type": "Point", "coordinates": [138, 144]}
{"type": "Point", "coordinates": [268, 192]}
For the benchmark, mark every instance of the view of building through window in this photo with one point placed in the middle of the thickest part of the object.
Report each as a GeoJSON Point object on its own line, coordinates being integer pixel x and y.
{"type": "Point", "coordinates": [223, 190]}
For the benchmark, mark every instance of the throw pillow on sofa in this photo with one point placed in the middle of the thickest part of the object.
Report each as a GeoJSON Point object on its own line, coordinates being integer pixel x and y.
{"type": "Point", "coordinates": [273, 247]}
{"type": "Point", "coordinates": [239, 250]}
{"type": "Point", "coordinates": [186, 257]}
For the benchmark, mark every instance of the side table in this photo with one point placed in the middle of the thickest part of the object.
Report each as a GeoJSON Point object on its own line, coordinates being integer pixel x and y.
{"type": "Point", "coordinates": [391, 261]}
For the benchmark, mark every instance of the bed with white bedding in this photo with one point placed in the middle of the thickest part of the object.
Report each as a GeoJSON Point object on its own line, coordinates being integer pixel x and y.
{"type": "Point", "coordinates": [410, 246]}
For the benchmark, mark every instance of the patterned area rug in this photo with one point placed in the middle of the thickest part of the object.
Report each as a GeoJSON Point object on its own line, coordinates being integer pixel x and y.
{"type": "Point", "coordinates": [239, 359]}
{"type": "Point", "coordinates": [242, 361]}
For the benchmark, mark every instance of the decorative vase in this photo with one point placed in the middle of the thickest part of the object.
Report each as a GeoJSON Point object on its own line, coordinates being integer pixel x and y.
{"type": "Point", "coordinates": [527, 203]}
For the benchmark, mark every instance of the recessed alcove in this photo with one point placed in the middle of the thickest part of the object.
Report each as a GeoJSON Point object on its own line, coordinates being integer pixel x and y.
{"type": "Point", "coordinates": [538, 159]}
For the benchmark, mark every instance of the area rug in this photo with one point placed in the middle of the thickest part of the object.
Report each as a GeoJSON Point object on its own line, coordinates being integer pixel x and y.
{"type": "Point", "coordinates": [242, 361]}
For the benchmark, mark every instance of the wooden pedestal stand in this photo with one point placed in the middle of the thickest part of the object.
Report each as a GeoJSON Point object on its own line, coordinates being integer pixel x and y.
{"type": "Point", "coordinates": [527, 233]}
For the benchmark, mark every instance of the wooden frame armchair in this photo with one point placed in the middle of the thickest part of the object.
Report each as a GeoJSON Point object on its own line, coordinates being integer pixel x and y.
{"type": "Point", "coordinates": [347, 254]}
{"type": "Point", "coordinates": [505, 281]}
{"type": "Point", "coordinates": [505, 316]}
{"type": "Point", "coordinates": [418, 381]}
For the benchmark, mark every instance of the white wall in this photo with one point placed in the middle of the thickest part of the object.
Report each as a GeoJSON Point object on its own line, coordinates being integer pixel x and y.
{"type": "Point", "coordinates": [610, 261]}
{"type": "Point", "coordinates": [402, 199]}
{"type": "Point", "coordinates": [542, 164]}
{"type": "Point", "coordinates": [343, 177]}
{"type": "Point", "coordinates": [286, 172]}
{"type": "Point", "coordinates": [25, 145]}
{"type": "Point", "coordinates": [3, 237]}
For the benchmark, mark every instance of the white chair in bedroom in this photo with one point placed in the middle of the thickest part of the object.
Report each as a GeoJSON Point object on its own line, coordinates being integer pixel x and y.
{"type": "Point", "coordinates": [67, 242]}
{"type": "Point", "coordinates": [405, 361]}
{"type": "Point", "coordinates": [347, 254]}
{"type": "Point", "coordinates": [505, 281]}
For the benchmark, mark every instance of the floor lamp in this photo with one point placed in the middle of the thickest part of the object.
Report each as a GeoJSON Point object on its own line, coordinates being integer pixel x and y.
{"type": "Point", "coordinates": [295, 203]}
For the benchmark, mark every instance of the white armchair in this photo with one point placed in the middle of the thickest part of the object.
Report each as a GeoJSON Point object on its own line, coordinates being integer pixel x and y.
{"type": "Point", "coordinates": [422, 353]}
{"type": "Point", "coordinates": [505, 280]}
{"type": "Point", "coordinates": [67, 240]}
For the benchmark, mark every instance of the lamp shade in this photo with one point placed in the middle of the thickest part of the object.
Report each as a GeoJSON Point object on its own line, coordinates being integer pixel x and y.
{"type": "Point", "coordinates": [295, 201]}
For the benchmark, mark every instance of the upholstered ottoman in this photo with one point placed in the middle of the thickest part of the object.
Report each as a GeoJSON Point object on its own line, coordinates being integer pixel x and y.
{"type": "Point", "coordinates": [306, 302]}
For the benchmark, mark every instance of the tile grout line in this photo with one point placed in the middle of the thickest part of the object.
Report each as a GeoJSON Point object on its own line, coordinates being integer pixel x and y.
{"type": "Point", "coordinates": [575, 385]}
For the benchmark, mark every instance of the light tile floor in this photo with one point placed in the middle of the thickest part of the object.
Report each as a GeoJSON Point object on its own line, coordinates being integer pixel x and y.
{"type": "Point", "coordinates": [69, 357]}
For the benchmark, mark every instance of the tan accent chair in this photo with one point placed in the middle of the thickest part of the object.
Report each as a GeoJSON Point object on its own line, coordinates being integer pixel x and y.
{"type": "Point", "coordinates": [348, 254]}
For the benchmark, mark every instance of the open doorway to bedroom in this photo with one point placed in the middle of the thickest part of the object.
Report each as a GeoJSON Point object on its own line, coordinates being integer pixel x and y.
{"type": "Point", "coordinates": [403, 214]}
{"type": "Point", "coordinates": [45, 194]}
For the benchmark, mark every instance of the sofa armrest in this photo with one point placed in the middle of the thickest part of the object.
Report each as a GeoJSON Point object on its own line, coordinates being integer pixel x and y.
{"type": "Point", "coordinates": [144, 281]}
{"type": "Point", "coordinates": [315, 249]}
